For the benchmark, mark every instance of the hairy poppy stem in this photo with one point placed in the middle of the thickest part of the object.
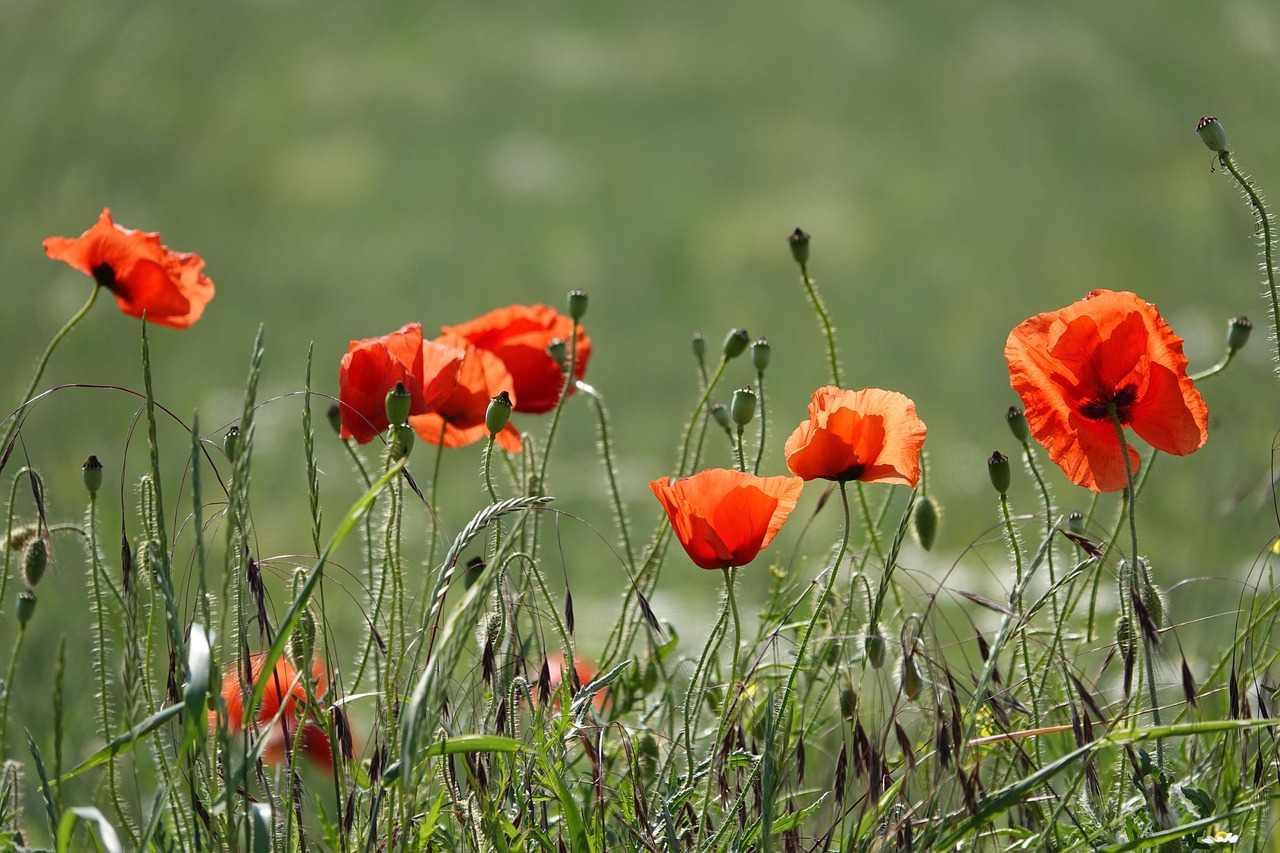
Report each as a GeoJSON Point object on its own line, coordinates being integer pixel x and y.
{"type": "Point", "coordinates": [811, 290]}
{"type": "Point", "coordinates": [17, 416]}
{"type": "Point", "coordinates": [1260, 213]}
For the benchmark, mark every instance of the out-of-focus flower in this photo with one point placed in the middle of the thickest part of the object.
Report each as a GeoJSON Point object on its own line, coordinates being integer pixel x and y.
{"type": "Point", "coordinates": [584, 672]}
{"type": "Point", "coordinates": [870, 435]}
{"type": "Point", "coordinates": [460, 419]}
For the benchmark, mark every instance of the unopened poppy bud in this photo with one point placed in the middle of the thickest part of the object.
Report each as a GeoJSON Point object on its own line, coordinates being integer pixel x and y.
{"type": "Point", "coordinates": [1075, 521]}
{"type": "Point", "coordinates": [699, 344]}
{"type": "Point", "coordinates": [735, 343]}
{"type": "Point", "coordinates": [35, 559]}
{"type": "Point", "coordinates": [742, 408]}
{"type": "Point", "coordinates": [998, 468]}
{"type": "Point", "coordinates": [334, 414]}
{"type": "Point", "coordinates": [1238, 333]}
{"type": "Point", "coordinates": [401, 441]}
{"type": "Point", "coordinates": [1018, 425]}
{"type": "Point", "coordinates": [925, 522]}
{"type": "Point", "coordinates": [302, 642]}
{"type": "Point", "coordinates": [720, 414]}
{"type": "Point", "coordinates": [761, 354]}
{"type": "Point", "coordinates": [1124, 635]}
{"type": "Point", "coordinates": [91, 470]}
{"type": "Point", "coordinates": [912, 681]}
{"type": "Point", "coordinates": [874, 647]}
{"type": "Point", "coordinates": [1212, 134]}
{"type": "Point", "coordinates": [18, 538]}
{"type": "Point", "coordinates": [577, 303]}
{"type": "Point", "coordinates": [559, 352]}
{"type": "Point", "coordinates": [498, 413]}
{"type": "Point", "coordinates": [798, 240]}
{"type": "Point", "coordinates": [398, 402]}
{"type": "Point", "coordinates": [231, 443]}
{"type": "Point", "coordinates": [26, 607]}
{"type": "Point", "coordinates": [848, 703]}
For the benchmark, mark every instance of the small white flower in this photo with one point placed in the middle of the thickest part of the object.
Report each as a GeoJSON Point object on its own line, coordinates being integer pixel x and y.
{"type": "Point", "coordinates": [1222, 837]}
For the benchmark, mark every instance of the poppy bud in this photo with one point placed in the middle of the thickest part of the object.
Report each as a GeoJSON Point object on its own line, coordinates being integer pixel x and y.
{"type": "Point", "coordinates": [1124, 636]}
{"type": "Point", "coordinates": [1018, 425]}
{"type": "Point", "coordinates": [1238, 333]}
{"type": "Point", "coordinates": [18, 538]}
{"type": "Point", "coordinates": [231, 443]}
{"type": "Point", "coordinates": [998, 468]}
{"type": "Point", "coordinates": [799, 243]}
{"type": "Point", "coordinates": [26, 607]}
{"type": "Point", "coordinates": [874, 647]}
{"type": "Point", "coordinates": [91, 470]}
{"type": "Point", "coordinates": [1156, 602]}
{"type": "Point", "coordinates": [471, 571]}
{"type": "Point", "coordinates": [334, 414]}
{"type": "Point", "coordinates": [648, 754]}
{"type": "Point", "coordinates": [498, 413]}
{"type": "Point", "coordinates": [577, 303]}
{"type": "Point", "coordinates": [761, 353]}
{"type": "Point", "coordinates": [302, 643]}
{"type": "Point", "coordinates": [401, 441]}
{"type": "Point", "coordinates": [1212, 134]}
{"type": "Point", "coordinates": [742, 408]}
{"type": "Point", "coordinates": [848, 703]}
{"type": "Point", "coordinates": [35, 559]}
{"type": "Point", "coordinates": [1075, 521]}
{"type": "Point", "coordinates": [720, 414]}
{"type": "Point", "coordinates": [398, 401]}
{"type": "Point", "coordinates": [699, 344]}
{"type": "Point", "coordinates": [559, 352]}
{"type": "Point", "coordinates": [909, 674]}
{"type": "Point", "coordinates": [735, 343]}
{"type": "Point", "coordinates": [925, 522]}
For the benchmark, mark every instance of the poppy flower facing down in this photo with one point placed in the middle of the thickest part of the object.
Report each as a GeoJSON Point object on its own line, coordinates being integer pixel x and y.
{"type": "Point", "coordinates": [1109, 351]}
{"type": "Point", "coordinates": [519, 336]}
{"type": "Point", "coordinates": [285, 689]}
{"type": "Point", "coordinates": [870, 435]}
{"type": "Point", "coordinates": [725, 518]}
{"type": "Point", "coordinates": [459, 419]}
{"type": "Point", "coordinates": [373, 366]}
{"type": "Point", "coordinates": [143, 274]}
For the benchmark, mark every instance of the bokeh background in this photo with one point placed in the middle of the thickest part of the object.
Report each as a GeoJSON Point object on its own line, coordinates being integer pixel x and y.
{"type": "Point", "coordinates": [347, 168]}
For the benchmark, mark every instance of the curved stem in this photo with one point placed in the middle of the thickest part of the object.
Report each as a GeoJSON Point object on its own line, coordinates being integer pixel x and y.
{"type": "Point", "coordinates": [1264, 221]}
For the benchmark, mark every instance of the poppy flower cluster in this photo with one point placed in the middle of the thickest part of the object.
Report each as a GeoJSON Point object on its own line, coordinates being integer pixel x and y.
{"type": "Point", "coordinates": [1108, 357]}
{"type": "Point", "coordinates": [144, 275]}
{"type": "Point", "coordinates": [284, 690]}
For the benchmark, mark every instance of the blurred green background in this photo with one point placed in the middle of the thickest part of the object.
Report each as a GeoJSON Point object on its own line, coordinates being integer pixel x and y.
{"type": "Point", "coordinates": [346, 169]}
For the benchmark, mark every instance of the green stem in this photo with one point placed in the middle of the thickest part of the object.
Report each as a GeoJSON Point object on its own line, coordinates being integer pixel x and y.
{"type": "Point", "coordinates": [828, 330]}
{"type": "Point", "coordinates": [699, 412]}
{"type": "Point", "coordinates": [8, 690]}
{"type": "Point", "coordinates": [610, 467]}
{"type": "Point", "coordinates": [1264, 222]}
{"type": "Point", "coordinates": [731, 687]}
{"type": "Point", "coordinates": [690, 702]}
{"type": "Point", "coordinates": [1210, 372]}
{"type": "Point", "coordinates": [742, 458]}
{"type": "Point", "coordinates": [763, 421]}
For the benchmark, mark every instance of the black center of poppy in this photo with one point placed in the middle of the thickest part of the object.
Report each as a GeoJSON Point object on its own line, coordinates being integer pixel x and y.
{"type": "Point", "coordinates": [1098, 409]}
{"type": "Point", "coordinates": [105, 275]}
{"type": "Point", "coordinates": [853, 472]}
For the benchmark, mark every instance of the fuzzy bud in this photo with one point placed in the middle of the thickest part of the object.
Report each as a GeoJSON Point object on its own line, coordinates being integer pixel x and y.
{"type": "Point", "coordinates": [398, 402]}
{"type": "Point", "coordinates": [498, 413]}
{"type": "Point", "coordinates": [998, 468]}
{"type": "Point", "coordinates": [1238, 333]}
{"type": "Point", "coordinates": [924, 521]}
{"type": "Point", "coordinates": [1212, 134]}
{"type": "Point", "coordinates": [912, 681]}
{"type": "Point", "coordinates": [874, 647]}
{"type": "Point", "coordinates": [742, 408]}
{"type": "Point", "coordinates": [91, 470]}
{"type": "Point", "coordinates": [1018, 425]}
{"type": "Point", "coordinates": [302, 643]}
{"type": "Point", "coordinates": [761, 354]}
{"type": "Point", "coordinates": [34, 560]}
{"type": "Point", "coordinates": [1124, 636]}
{"type": "Point", "coordinates": [577, 303]}
{"type": "Point", "coordinates": [735, 343]}
{"type": "Point", "coordinates": [26, 607]}
{"type": "Point", "coordinates": [798, 240]}
{"type": "Point", "coordinates": [231, 443]}
{"type": "Point", "coordinates": [18, 538]}
{"type": "Point", "coordinates": [401, 441]}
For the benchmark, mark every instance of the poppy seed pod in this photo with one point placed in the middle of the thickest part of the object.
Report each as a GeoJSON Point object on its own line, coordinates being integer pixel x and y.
{"type": "Point", "coordinates": [720, 414]}
{"type": "Point", "coordinates": [742, 408]}
{"type": "Point", "coordinates": [761, 354]}
{"type": "Point", "coordinates": [91, 470]}
{"type": "Point", "coordinates": [1018, 425]}
{"type": "Point", "coordinates": [1075, 521]}
{"type": "Point", "coordinates": [1212, 134]}
{"type": "Point", "coordinates": [699, 343]}
{"type": "Point", "coordinates": [231, 443]}
{"type": "Point", "coordinates": [558, 349]}
{"type": "Point", "coordinates": [334, 414]}
{"type": "Point", "coordinates": [735, 343]}
{"type": "Point", "coordinates": [798, 240]}
{"type": "Point", "coordinates": [35, 559]}
{"type": "Point", "coordinates": [498, 413]}
{"type": "Point", "coordinates": [26, 607]}
{"type": "Point", "coordinates": [402, 437]}
{"type": "Point", "coordinates": [577, 303]}
{"type": "Point", "coordinates": [1238, 333]}
{"type": "Point", "coordinates": [398, 403]}
{"type": "Point", "coordinates": [998, 468]}
{"type": "Point", "coordinates": [925, 522]}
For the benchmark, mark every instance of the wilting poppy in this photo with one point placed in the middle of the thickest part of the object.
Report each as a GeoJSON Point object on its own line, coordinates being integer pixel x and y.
{"type": "Point", "coordinates": [284, 689]}
{"type": "Point", "coordinates": [1109, 351]}
{"type": "Point", "coordinates": [459, 419]}
{"type": "Point", "coordinates": [870, 435]}
{"type": "Point", "coordinates": [583, 673]}
{"type": "Point", "coordinates": [725, 518]}
{"type": "Point", "coordinates": [373, 366]}
{"type": "Point", "coordinates": [143, 274]}
{"type": "Point", "coordinates": [520, 335]}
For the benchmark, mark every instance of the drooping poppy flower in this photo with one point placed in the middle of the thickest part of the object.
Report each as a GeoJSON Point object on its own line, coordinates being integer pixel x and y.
{"type": "Point", "coordinates": [284, 690]}
{"type": "Point", "coordinates": [459, 419]}
{"type": "Point", "coordinates": [373, 366]}
{"type": "Point", "coordinates": [519, 336]}
{"type": "Point", "coordinates": [583, 673]}
{"type": "Point", "coordinates": [870, 435]}
{"type": "Point", "coordinates": [143, 274]}
{"type": "Point", "coordinates": [1110, 350]}
{"type": "Point", "coordinates": [725, 518]}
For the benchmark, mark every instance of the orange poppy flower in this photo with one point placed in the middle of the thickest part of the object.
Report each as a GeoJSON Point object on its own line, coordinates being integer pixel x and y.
{"type": "Point", "coordinates": [725, 518]}
{"type": "Point", "coordinates": [519, 335]}
{"type": "Point", "coordinates": [584, 672]}
{"type": "Point", "coordinates": [870, 435]}
{"type": "Point", "coordinates": [459, 419]}
{"type": "Point", "coordinates": [285, 689]}
{"type": "Point", "coordinates": [143, 274]}
{"type": "Point", "coordinates": [373, 366]}
{"type": "Point", "coordinates": [1110, 349]}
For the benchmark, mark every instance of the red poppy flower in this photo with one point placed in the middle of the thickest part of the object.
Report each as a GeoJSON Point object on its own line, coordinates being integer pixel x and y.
{"type": "Point", "coordinates": [143, 274]}
{"type": "Point", "coordinates": [373, 366]}
{"type": "Point", "coordinates": [1070, 367]}
{"type": "Point", "coordinates": [583, 672]}
{"type": "Point", "coordinates": [519, 335]}
{"type": "Point", "coordinates": [459, 419]}
{"type": "Point", "coordinates": [285, 689]}
{"type": "Point", "coordinates": [871, 435]}
{"type": "Point", "coordinates": [725, 518]}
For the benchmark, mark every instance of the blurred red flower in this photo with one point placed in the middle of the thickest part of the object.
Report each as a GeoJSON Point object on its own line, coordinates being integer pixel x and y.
{"type": "Point", "coordinates": [143, 274]}
{"type": "Point", "coordinates": [870, 435]}
{"type": "Point", "coordinates": [519, 336]}
{"type": "Point", "coordinates": [1072, 366]}
{"type": "Point", "coordinates": [584, 673]}
{"type": "Point", "coordinates": [459, 419]}
{"type": "Point", "coordinates": [284, 690]}
{"type": "Point", "coordinates": [725, 518]}
{"type": "Point", "coordinates": [373, 366]}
